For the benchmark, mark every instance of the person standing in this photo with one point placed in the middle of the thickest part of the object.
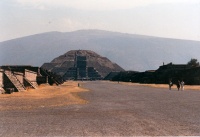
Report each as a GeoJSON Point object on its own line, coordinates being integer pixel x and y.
{"type": "Point", "coordinates": [182, 85]}
{"type": "Point", "coordinates": [178, 85]}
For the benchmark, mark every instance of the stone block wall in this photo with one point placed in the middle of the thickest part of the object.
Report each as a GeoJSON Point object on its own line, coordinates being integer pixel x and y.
{"type": "Point", "coordinates": [19, 76]}
{"type": "Point", "coordinates": [1, 78]}
{"type": "Point", "coordinates": [31, 75]}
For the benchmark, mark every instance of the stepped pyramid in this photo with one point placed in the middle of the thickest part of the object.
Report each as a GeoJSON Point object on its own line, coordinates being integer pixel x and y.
{"type": "Point", "coordinates": [81, 64]}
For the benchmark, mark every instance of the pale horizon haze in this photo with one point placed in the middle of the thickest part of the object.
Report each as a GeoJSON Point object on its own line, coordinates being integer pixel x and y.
{"type": "Point", "coordinates": [179, 19]}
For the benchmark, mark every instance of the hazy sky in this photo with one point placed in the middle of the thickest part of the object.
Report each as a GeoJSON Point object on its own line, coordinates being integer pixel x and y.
{"type": "Point", "coordinates": [163, 18]}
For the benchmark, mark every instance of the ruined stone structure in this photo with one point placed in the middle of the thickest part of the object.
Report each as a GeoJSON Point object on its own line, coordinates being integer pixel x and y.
{"type": "Point", "coordinates": [20, 78]}
{"type": "Point", "coordinates": [173, 72]}
{"type": "Point", "coordinates": [1, 82]}
{"type": "Point", "coordinates": [111, 75]}
{"type": "Point", "coordinates": [81, 65]}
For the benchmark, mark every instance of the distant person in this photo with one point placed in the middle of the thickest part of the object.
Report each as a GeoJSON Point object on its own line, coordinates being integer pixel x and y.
{"type": "Point", "coordinates": [170, 84]}
{"type": "Point", "coordinates": [178, 85]}
{"type": "Point", "coordinates": [182, 85]}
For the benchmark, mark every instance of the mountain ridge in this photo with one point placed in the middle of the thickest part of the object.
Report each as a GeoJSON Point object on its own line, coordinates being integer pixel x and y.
{"type": "Point", "coordinates": [132, 52]}
{"type": "Point", "coordinates": [95, 30]}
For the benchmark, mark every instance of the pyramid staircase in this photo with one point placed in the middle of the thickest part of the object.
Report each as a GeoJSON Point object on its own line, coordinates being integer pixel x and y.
{"type": "Point", "coordinates": [52, 78]}
{"type": "Point", "coordinates": [15, 81]}
{"type": "Point", "coordinates": [93, 73]}
{"type": "Point", "coordinates": [111, 75]}
{"type": "Point", "coordinates": [33, 84]}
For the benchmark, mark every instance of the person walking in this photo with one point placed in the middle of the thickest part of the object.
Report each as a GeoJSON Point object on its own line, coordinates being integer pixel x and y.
{"type": "Point", "coordinates": [182, 85]}
{"type": "Point", "coordinates": [178, 85]}
{"type": "Point", "coordinates": [170, 84]}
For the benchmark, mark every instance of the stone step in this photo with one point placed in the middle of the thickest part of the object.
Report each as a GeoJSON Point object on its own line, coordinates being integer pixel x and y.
{"type": "Point", "coordinates": [35, 85]}
{"type": "Point", "coordinates": [14, 80]}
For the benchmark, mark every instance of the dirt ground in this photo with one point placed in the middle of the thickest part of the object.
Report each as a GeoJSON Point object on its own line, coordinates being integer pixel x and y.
{"type": "Point", "coordinates": [104, 109]}
{"type": "Point", "coordinates": [186, 87]}
{"type": "Point", "coordinates": [43, 96]}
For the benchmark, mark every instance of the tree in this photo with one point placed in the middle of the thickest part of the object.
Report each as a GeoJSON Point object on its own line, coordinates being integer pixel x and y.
{"type": "Point", "coordinates": [193, 63]}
